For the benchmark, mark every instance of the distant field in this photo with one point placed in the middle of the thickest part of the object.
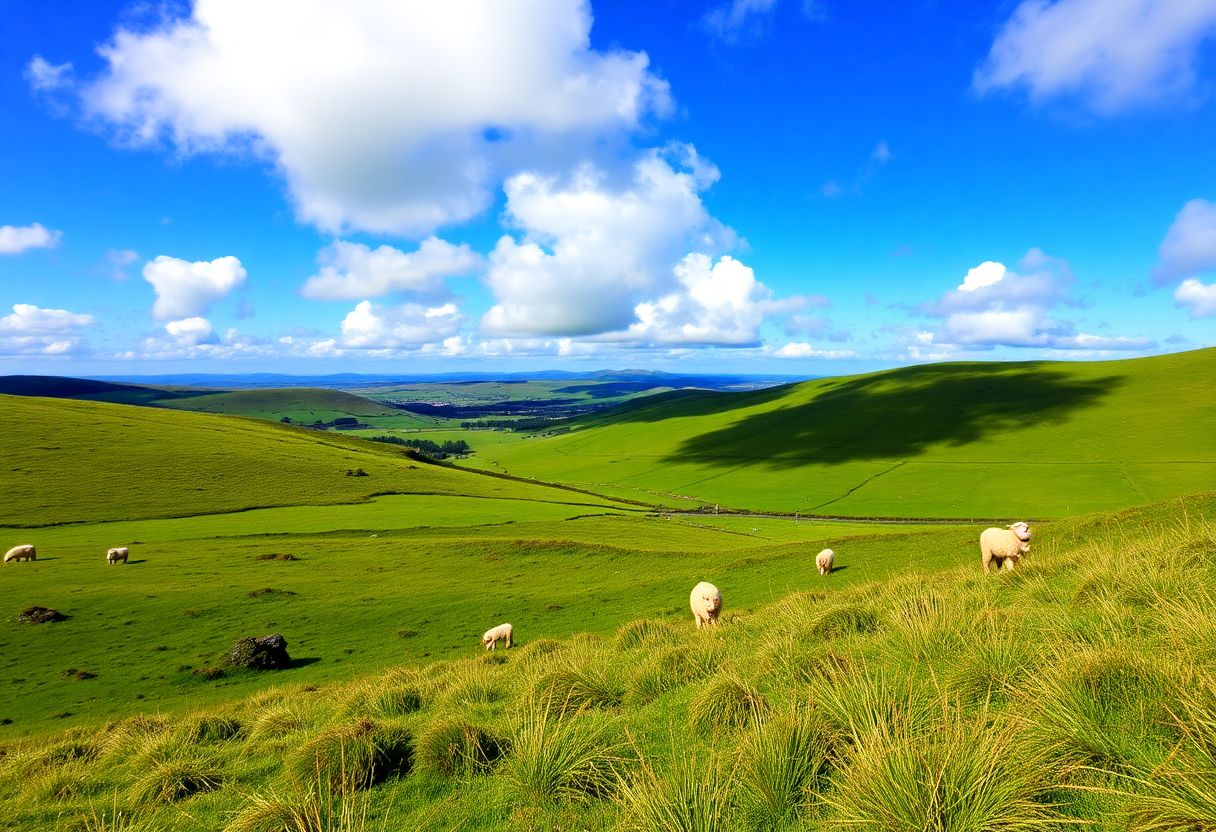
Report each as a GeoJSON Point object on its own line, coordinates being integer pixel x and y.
{"type": "Point", "coordinates": [303, 406]}
{"type": "Point", "coordinates": [951, 440]}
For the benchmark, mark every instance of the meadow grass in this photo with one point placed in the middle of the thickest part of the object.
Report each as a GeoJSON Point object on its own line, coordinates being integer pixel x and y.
{"type": "Point", "coordinates": [1071, 438]}
{"type": "Point", "coordinates": [1039, 706]}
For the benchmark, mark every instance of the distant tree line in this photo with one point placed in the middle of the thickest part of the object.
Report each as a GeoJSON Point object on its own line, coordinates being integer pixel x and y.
{"type": "Point", "coordinates": [434, 450]}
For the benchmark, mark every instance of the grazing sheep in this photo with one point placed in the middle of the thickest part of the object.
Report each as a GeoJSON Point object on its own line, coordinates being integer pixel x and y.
{"type": "Point", "coordinates": [823, 561]}
{"type": "Point", "coordinates": [117, 554]}
{"type": "Point", "coordinates": [496, 634]}
{"type": "Point", "coordinates": [23, 552]}
{"type": "Point", "coordinates": [706, 603]}
{"type": "Point", "coordinates": [1003, 548]}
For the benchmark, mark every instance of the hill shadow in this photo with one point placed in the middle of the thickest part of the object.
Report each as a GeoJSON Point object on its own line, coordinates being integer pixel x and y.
{"type": "Point", "coordinates": [886, 416]}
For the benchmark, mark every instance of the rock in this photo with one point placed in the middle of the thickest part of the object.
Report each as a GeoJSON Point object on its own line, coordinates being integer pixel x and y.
{"type": "Point", "coordinates": [260, 653]}
{"type": "Point", "coordinates": [40, 615]}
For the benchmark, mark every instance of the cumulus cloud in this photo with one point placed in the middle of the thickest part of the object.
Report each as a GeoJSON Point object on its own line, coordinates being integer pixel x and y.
{"type": "Point", "coordinates": [1197, 297]}
{"type": "Point", "coordinates": [15, 239]}
{"type": "Point", "coordinates": [1114, 54]}
{"type": "Point", "coordinates": [33, 330]}
{"type": "Point", "coordinates": [717, 303]}
{"type": "Point", "coordinates": [44, 76]}
{"type": "Point", "coordinates": [409, 326]}
{"type": "Point", "coordinates": [590, 251]}
{"type": "Point", "coordinates": [802, 349]}
{"type": "Point", "coordinates": [353, 270]}
{"type": "Point", "coordinates": [185, 289]}
{"type": "Point", "coordinates": [1189, 247]}
{"type": "Point", "coordinates": [191, 331]}
{"type": "Point", "coordinates": [732, 18]}
{"type": "Point", "coordinates": [994, 305]}
{"type": "Point", "coordinates": [383, 117]}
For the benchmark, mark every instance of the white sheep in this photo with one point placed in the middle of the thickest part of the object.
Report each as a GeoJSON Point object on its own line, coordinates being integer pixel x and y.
{"type": "Point", "coordinates": [496, 634]}
{"type": "Point", "coordinates": [22, 552]}
{"type": "Point", "coordinates": [823, 561]}
{"type": "Point", "coordinates": [706, 603]}
{"type": "Point", "coordinates": [118, 553]}
{"type": "Point", "coordinates": [1003, 548]}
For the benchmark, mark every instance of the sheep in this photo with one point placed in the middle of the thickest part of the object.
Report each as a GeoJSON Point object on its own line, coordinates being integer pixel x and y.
{"type": "Point", "coordinates": [706, 603]}
{"type": "Point", "coordinates": [496, 634]}
{"type": "Point", "coordinates": [823, 561]}
{"type": "Point", "coordinates": [22, 552]}
{"type": "Point", "coordinates": [1004, 547]}
{"type": "Point", "coordinates": [117, 554]}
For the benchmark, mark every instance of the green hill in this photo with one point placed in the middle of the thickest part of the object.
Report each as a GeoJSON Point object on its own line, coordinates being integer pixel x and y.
{"type": "Point", "coordinates": [302, 405]}
{"type": "Point", "coordinates": [70, 461]}
{"type": "Point", "coordinates": [1041, 439]}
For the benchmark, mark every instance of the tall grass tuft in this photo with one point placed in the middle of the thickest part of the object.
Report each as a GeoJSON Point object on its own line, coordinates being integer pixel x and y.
{"type": "Point", "coordinates": [857, 702]}
{"type": "Point", "coordinates": [692, 797]}
{"type": "Point", "coordinates": [211, 729]}
{"type": "Point", "coordinates": [726, 701]}
{"type": "Point", "coordinates": [781, 765]}
{"type": "Point", "coordinates": [324, 810]}
{"type": "Point", "coordinates": [451, 745]}
{"type": "Point", "coordinates": [845, 619]}
{"type": "Point", "coordinates": [352, 756]}
{"type": "Point", "coordinates": [177, 779]}
{"type": "Point", "coordinates": [553, 758]}
{"type": "Point", "coordinates": [670, 669]}
{"type": "Point", "coordinates": [645, 632]}
{"type": "Point", "coordinates": [962, 776]}
{"type": "Point", "coordinates": [578, 683]}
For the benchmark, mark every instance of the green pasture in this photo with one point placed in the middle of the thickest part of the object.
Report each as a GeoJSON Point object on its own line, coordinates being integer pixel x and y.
{"type": "Point", "coordinates": [1042, 439]}
{"type": "Point", "coordinates": [302, 405]}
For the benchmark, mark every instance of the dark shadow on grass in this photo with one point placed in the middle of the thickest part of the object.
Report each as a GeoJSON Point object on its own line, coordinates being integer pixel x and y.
{"type": "Point", "coordinates": [133, 562]}
{"type": "Point", "coordinates": [836, 569]}
{"type": "Point", "coordinates": [304, 662]}
{"type": "Point", "coordinates": [892, 416]}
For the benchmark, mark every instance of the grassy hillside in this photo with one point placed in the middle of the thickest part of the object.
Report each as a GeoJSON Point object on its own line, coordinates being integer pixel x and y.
{"type": "Point", "coordinates": [302, 405]}
{"type": "Point", "coordinates": [1042, 439]}
{"type": "Point", "coordinates": [1078, 690]}
{"type": "Point", "coordinates": [71, 461]}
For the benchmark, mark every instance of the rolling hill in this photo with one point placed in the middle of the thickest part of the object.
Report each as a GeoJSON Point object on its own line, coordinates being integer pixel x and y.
{"type": "Point", "coordinates": [69, 461]}
{"type": "Point", "coordinates": [1041, 439]}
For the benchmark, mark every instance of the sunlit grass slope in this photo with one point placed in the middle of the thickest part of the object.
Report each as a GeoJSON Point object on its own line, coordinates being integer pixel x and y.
{"type": "Point", "coordinates": [1076, 692]}
{"type": "Point", "coordinates": [69, 461]}
{"type": "Point", "coordinates": [1043, 439]}
{"type": "Point", "coordinates": [303, 405]}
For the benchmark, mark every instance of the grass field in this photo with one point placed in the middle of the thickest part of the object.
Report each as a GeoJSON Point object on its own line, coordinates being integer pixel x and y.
{"type": "Point", "coordinates": [303, 406]}
{"type": "Point", "coordinates": [904, 691]}
{"type": "Point", "coordinates": [949, 440]}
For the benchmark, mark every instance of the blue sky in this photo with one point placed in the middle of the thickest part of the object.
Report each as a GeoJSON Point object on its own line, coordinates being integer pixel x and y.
{"type": "Point", "coordinates": [768, 186]}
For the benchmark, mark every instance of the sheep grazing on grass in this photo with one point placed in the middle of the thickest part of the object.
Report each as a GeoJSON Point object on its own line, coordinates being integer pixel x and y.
{"type": "Point", "coordinates": [1003, 548]}
{"type": "Point", "coordinates": [823, 561]}
{"type": "Point", "coordinates": [118, 553]}
{"type": "Point", "coordinates": [23, 552]}
{"type": "Point", "coordinates": [496, 634]}
{"type": "Point", "coordinates": [706, 603]}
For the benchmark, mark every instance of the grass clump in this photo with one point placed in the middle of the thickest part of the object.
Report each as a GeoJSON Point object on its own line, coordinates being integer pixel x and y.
{"type": "Point", "coordinates": [578, 683]}
{"type": "Point", "coordinates": [781, 766]}
{"type": "Point", "coordinates": [353, 756]}
{"type": "Point", "coordinates": [692, 797]}
{"type": "Point", "coordinates": [670, 669]}
{"type": "Point", "coordinates": [176, 779]}
{"type": "Point", "coordinates": [451, 745]}
{"type": "Point", "coordinates": [726, 701]}
{"type": "Point", "coordinates": [553, 758]}
{"type": "Point", "coordinates": [645, 632]}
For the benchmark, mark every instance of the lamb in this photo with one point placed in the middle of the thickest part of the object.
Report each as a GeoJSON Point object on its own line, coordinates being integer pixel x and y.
{"type": "Point", "coordinates": [117, 554]}
{"type": "Point", "coordinates": [823, 561]}
{"type": "Point", "coordinates": [1003, 548]}
{"type": "Point", "coordinates": [496, 634]}
{"type": "Point", "coordinates": [22, 552]}
{"type": "Point", "coordinates": [706, 603]}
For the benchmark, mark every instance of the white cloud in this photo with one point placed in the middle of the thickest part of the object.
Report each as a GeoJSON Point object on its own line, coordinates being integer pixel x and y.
{"type": "Point", "coordinates": [995, 305]}
{"type": "Point", "coordinates": [1198, 297]}
{"type": "Point", "coordinates": [590, 252]}
{"type": "Point", "coordinates": [728, 20]}
{"type": "Point", "coordinates": [44, 76]}
{"type": "Point", "coordinates": [718, 303]}
{"type": "Point", "coordinates": [15, 239]}
{"type": "Point", "coordinates": [1115, 54]}
{"type": "Point", "coordinates": [192, 331]}
{"type": "Point", "coordinates": [185, 289]}
{"type": "Point", "coordinates": [118, 260]}
{"type": "Point", "coordinates": [801, 349]}
{"type": "Point", "coordinates": [1189, 247]}
{"type": "Point", "coordinates": [384, 117]}
{"type": "Point", "coordinates": [881, 153]}
{"type": "Point", "coordinates": [33, 330]}
{"type": "Point", "coordinates": [353, 270]}
{"type": "Point", "coordinates": [405, 327]}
